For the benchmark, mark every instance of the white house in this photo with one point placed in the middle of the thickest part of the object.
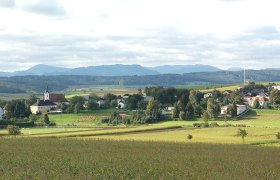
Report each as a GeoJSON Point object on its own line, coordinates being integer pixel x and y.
{"type": "Point", "coordinates": [42, 106]}
{"type": "Point", "coordinates": [101, 102]}
{"type": "Point", "coordinates": [207, 95]}
{"type": "Point", "coordinates": [276, 87]}
{"type": "Point", "coordinates": [240, 109]}
{"type": "Point", "coordinates": [224, 110]}
{"type": "Point", "coordinates": [1, 113]}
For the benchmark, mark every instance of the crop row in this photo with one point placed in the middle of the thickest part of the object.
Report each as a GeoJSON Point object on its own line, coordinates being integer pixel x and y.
{"type": "Point", "coordinates": [46, 158]}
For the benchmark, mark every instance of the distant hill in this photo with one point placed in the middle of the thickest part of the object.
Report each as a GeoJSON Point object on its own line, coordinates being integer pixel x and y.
{"type": "Point", "coordinates": [42, 69]}
{"type": "Point", "coordinates": [112, 70]}
{"type": "Point", "coordinates": [61, 82]}
{"type": "Point", "coordinates": [181, 69]}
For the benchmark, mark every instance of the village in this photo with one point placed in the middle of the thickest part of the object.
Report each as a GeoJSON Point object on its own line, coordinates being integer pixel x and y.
{"type": "Point", "coordinates": [225, 104]}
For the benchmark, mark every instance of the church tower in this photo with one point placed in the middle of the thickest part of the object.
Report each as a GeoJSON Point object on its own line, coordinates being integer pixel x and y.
{"type": "Point", "coordinates": [46, 94]}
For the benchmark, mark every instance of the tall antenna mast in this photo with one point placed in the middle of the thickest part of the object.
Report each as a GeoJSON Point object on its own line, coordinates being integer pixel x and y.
{"type": "Point", "coordinates": [244, 76]}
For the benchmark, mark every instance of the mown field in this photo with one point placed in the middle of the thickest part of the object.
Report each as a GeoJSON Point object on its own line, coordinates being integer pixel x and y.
{"type": "Point", "coordinates": [261, 125]}
{"type": "Point", "coordinates": [102, 90]}
{"type": "Point", "coordinates": [223, 135]}
{"type": "Point", "coordinates": [40, 158]}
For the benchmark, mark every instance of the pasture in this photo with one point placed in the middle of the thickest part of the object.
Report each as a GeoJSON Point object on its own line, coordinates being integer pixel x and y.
{"type": "Point", "coordinates": [40, 158]}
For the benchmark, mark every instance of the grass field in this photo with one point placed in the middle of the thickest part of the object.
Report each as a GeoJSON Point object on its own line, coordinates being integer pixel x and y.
{"type": "Point", "coordinates": [9, 96]}
{"type": "Point", "coordinates": [223, 88]}
{"type": "Point", "coordinates": [223, 135]}
{"type": "Point", "coordinates": [87, 118]}
{"type": "Point", "coordinates": [102, 90]}
{"type": "Point", "coordinates": [40, 158]}
{"type": "Point", "coordinates": [262, 127]}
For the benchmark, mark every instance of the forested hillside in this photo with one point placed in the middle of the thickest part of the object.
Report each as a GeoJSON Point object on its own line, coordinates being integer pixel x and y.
{"type": "Point", "coordinates": [60, 82]}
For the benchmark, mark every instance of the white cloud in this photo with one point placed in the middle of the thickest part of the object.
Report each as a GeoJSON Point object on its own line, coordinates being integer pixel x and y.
{"type": "Point", "coordinates": [7, 3]}
{"type": "Point", "coordinates": [73, 33]}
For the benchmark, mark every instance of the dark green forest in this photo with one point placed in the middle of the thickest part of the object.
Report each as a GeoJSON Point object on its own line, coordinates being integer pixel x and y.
{"type": "Point", "coordinates": [20, 84]}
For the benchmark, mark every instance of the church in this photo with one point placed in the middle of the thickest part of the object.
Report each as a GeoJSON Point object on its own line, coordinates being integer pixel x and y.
{"type": "Point", "coordinates": [49, 103]}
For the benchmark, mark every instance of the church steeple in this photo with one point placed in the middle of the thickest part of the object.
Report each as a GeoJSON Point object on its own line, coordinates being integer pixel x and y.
{"type": "Point", "coordinates": [47, 89]}
{"type": "Point", "coordinates": [47, 94]}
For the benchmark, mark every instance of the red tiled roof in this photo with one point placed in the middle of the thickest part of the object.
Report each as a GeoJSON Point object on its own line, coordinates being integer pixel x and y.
{"type": "Point", "coordinates": [58, 98]}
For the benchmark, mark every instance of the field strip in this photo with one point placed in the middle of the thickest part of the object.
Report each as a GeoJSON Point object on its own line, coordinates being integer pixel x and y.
{"type": "Point", "coordinates": [108, 132]}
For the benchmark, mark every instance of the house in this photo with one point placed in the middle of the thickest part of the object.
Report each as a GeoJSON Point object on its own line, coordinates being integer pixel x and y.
{"type": "Point", "coordinates": [167, 110]}
{"type": "Point", "coordinates": [122, 101]}
{"type": "Point", "coordinates": [42, 106]}
{"type": "Point", "coordinates": [45, 105]}
{"type": "Point", "coordinates": [1, 113]}
{"type": "Point", "coordinates": [276, 87]}
{"type": "Point", "coordinates": [262, 100]}
{"type": "Point", "coordinates": [240, 109]}
{"type": "Point", "coordinates": [58, 98]}
{"type": "Point", "coordinates": [101, 101]}
{"type": "Point", "coordinates": [121, 104]}
{"type": "Point", "coordinates": [224, 110]}
{"type": "Point", "coordinates": [207, 95]}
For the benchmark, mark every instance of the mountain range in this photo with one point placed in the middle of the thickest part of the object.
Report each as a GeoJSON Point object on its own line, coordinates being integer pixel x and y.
{"type": "Point", "coordinates": [114, 70]}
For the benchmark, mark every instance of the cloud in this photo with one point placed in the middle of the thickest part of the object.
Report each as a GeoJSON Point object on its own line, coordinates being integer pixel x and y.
{"type": "Point", "coordinates": [255, 48]}
{"type": "Point", "coordinates": [7, 3]}
{"type": "Point", "coordinates": [49, 7]}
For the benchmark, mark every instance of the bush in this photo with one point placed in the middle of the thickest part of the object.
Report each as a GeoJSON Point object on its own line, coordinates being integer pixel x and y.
{"type": "Point", "coordinates": [278, 135]}
{"type": "Point", "coordinates": [232, 125]}
{"type": "Point", "coordinates": [200, 125]}
{"type": "Point", "coordinates": [189, 136]}
{"type": "Point", "coordinates": [105, 120]}
{"type": "Point", "coordinates": [13, 130]}
{"type": "Point", "coordinates": [52, 123]}
{"type": "Point", "coordinates": [204, 125]}
{"type": "Point", "coordinates": [214, 124]}
{"type": "Point", "coordinates": [126, 121]}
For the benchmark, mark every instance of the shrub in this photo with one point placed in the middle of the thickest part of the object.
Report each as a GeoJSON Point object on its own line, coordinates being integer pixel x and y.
{"type": "Point", "coordinates": [204, 125]}
{"type": "Point", "coordinates": [278, 135]}
{"type": "Point", "coordinates": [189, 136]}
{"type": "Point", "coordinates": [52, 123]}
{"type": "Point", "coordinates": [105, 120]}
{"type": "Point", "coordinates": [214, 124]}
{"type": "Point", "coordinates": [200, 125]}
{"type": "Point", "coordinates": [13, 130]}
{"type": "Point", "coordinates": [126, 121]}
{"type": "Point", "coordinates": [197, 125]}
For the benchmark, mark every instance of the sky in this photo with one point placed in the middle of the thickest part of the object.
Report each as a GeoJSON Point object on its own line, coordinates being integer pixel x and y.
{"type": "Point", "coordinates": [79, 33]}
